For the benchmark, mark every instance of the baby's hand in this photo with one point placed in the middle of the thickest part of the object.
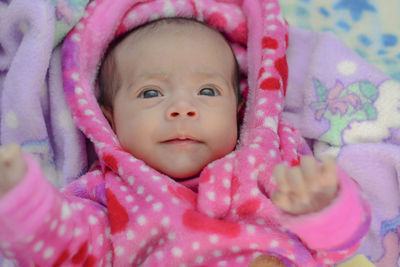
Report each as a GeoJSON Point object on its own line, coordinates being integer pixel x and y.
{"type": "Point", "coordinates": [266, 261]}
{"type": "Point", "coordinates": [306, 188]}
{"type": "Point", "coordinates": [12, 167]}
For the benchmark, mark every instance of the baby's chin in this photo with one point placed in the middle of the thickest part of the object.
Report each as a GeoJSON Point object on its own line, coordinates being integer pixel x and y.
{"type": "Point", "coordinates": [182, 174]}
{"type": "Point", "coordinates": [179, 167]}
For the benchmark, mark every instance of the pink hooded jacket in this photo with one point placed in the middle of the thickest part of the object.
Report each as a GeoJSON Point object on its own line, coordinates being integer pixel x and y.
{"type": "Point", "coordinates": [124, 213]}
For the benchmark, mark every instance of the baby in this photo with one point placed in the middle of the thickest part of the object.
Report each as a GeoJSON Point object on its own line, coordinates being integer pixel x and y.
{"type": "Point", "coordinates": [183, 107]}
{"type": "Point", "coordinates": [170, 91]}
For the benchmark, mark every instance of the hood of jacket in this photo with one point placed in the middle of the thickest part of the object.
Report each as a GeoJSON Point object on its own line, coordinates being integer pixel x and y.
{"type": "Point", "coordinates": [259, 37]}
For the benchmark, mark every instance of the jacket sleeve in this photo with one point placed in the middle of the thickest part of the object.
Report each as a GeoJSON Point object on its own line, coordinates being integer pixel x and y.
{"type": "Point", "coordinates": [39, 226]}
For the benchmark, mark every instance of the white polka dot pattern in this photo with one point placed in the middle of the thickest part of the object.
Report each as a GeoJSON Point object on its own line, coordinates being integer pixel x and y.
{"type": "Point", "coordinates": [126, 213]}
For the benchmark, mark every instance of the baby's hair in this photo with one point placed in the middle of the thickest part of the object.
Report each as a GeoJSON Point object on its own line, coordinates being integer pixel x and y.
{"type": "Point", "coordinates": [108, 79]}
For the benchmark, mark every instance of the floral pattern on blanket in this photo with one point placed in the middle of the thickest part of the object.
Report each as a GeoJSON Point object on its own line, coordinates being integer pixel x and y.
{"type": "Point", "coordinates": [342, 105]}
{"type": "Point", "coordinates": [352, 112]}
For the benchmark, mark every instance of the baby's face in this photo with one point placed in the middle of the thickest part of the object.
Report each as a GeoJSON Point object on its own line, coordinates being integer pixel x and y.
{"type": "Point", "coordinates": [176, 107]}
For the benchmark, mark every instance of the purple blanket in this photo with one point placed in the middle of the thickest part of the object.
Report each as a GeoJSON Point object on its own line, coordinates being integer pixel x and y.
{"type": "Point", "coordinates": [33, 111]}
{"type": "Point", "coordinates": [347, 108]}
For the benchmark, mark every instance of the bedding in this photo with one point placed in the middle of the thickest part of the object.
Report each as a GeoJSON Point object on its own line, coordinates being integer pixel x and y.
{"type": "Point", "coordinates": [355, 118]}
{"type": "Point", "coordinates": [33, 110]}
{"type": "Point", "coordinates": [369, 27]}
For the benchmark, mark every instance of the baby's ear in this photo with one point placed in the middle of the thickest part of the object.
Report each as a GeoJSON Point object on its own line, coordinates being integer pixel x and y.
{"type": "Point", "coordinates": [107, 111]}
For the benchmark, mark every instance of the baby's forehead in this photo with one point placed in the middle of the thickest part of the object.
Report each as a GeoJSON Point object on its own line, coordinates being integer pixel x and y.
{"type": "Point", "coordinates": [171, 26]}
{"type": "Point", "coordinates": [117, 60]}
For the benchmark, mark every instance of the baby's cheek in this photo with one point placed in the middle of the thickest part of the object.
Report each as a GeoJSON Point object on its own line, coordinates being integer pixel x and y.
{"type": "Point", "coordinates": [228, 135]}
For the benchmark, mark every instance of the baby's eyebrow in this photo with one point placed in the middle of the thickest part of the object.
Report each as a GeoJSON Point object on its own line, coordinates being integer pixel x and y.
{"type": "Point", "coordinates": [213, 76]}
{"type": "Point", "coordinates": [152, 75]}
{"type": "Point", "coordinates": [200, 75]}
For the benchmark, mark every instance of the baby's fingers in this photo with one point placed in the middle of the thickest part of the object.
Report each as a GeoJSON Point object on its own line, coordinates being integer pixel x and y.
{"type": "Point", "coordinates": [282, 201]}
{"type": "Point", "coordinates": [289, 180]}
{"type": "Point", "coordinates": [12, 167]}
{"type": "Point", "coordinates": [299, 191]}
{"type": "Point", "coordinates": [280, 177]}
{"type": "Point", "coordinates": [296, 181]}
{"type": "Point", "coordinates": [310, 168]}
{"type": "Point", "coordinates": [292, 192]}
{"type": "Point", "coordinates": [9, 152]}
{"type": "Point", "coordinates": [329, 173]}
{"type": "Point", "coordinates": [281, 197]}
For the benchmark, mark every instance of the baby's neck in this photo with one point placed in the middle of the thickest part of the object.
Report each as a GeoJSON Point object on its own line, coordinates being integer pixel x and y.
{"type": "Point", "coordinates": [191, 183]}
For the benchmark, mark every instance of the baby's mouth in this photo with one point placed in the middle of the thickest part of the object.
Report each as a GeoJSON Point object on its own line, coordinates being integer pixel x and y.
{"type": "Point", "coordinates": [182, 141]}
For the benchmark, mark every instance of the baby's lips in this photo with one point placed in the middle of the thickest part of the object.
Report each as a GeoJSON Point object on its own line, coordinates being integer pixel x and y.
{"type": "Point", "coordinates": [181, 138]}
{"type": "Point", "coordinates": [180, 141]}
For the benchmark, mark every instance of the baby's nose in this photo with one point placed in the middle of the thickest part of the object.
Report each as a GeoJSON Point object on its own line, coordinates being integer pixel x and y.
{"type": "Point", "coordinates": [182, 110]}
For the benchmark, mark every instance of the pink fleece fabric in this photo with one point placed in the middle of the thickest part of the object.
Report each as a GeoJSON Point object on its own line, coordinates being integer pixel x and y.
{"type": "Point", "coordinates": [124, 213]}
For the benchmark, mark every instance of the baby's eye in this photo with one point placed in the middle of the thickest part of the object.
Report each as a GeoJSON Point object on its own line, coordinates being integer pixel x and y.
{"type": "Point", "coordinates": [209, 92]}
{"type": "Point", "coordinates": [150, 93]}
